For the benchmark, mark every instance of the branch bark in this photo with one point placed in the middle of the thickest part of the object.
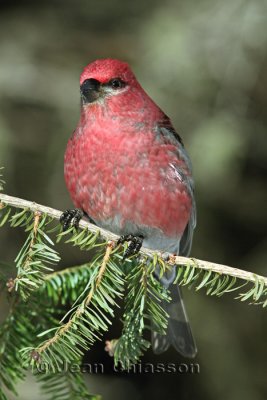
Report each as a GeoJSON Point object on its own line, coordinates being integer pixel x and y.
{"type": "Point", "coordinates": [178, 260]}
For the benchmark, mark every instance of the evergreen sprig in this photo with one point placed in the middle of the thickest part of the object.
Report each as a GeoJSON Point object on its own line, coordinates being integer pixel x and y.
{"type": "Point", "coordinates": [36, 255]}
{"type": "Point", "coordinates": [142, 311]}
{"type": "Point", "coordinates": [91, 291]}
{"type": "Point", "coordinates": [17, 331]}
{"type": "Point", "coordinates": [88, 318]}
{"type": "Point", "coordinates": [217, 284]}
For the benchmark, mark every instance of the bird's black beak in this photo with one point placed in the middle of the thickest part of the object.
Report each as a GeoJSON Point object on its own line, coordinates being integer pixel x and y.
{"type": "Point", "coordinates": [90, 90]}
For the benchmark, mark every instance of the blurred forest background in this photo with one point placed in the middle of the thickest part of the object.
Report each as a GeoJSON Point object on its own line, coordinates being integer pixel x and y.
{"type": "Point", "coordinates": [205, 63]}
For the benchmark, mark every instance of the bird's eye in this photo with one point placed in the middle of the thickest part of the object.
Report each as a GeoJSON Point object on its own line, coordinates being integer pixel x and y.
{"type": "Point", "coordinates": [116, 83]}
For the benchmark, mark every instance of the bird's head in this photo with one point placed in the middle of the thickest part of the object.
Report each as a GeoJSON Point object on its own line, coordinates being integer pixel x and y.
{"type": "Point", "coordinates": [104, 79]}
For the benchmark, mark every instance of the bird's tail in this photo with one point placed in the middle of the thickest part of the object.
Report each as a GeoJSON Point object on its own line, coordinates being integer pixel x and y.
{"type": "Point", "coordinates": [179, 333]}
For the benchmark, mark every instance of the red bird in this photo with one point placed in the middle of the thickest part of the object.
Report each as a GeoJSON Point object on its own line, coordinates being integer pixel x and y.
{"type": "Point", "coordinates": [127, 169]}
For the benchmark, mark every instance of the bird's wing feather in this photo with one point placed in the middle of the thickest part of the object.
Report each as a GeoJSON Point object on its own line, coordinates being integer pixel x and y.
{"type": "Point", "coordinates": [179, 333]}
{"type": "Point", "coordinates": [168, 134]}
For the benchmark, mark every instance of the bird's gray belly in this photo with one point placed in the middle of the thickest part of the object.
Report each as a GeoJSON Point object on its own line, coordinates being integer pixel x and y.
{"type": "Point", "coordinates": [154, 238]}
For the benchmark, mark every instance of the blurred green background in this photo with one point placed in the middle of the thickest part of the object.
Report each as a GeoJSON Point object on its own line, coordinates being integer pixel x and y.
{"type": "Point", "coordinates": [205, 63]}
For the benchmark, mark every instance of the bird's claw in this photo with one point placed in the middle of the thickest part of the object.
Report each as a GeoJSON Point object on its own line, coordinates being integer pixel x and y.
{"type": "Point", "coordinates": [71, 218]}
{"type": "Point", "coordinates": [135, 244]}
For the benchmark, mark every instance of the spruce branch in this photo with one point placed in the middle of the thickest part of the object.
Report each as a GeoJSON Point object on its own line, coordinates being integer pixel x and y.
{"type": "Point", "coordinates": [142, 311]}
{"type": "Point", "coordinates": [92, 290]}
{"type": "Point", "coordinates": [16, 332]}
{"type": "Point", "coordinates": [10, 366]}
{"type": "Point", "coordinates": [80, 310]}
{"type": "Point", "coordinates": [259, 283]}
{"type": "Point", "coordinates": [89, 316]}
{"type": "Point", "coordinates": [36, 256]}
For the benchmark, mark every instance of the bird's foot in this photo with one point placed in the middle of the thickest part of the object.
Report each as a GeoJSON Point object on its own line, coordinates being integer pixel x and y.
{"type": "Point", "coordinates": [71, 218]}
{"type": "Point", "coordinates": [135, 244]}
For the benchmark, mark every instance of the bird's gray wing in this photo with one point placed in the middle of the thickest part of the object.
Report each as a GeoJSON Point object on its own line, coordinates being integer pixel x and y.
{"type": "Point", "coordinates": [167, 134]}
{"type": "Point", "coordinates": [179, 333]}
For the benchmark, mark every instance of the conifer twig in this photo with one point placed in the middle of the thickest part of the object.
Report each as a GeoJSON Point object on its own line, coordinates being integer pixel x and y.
{"type": "Point", "coordinates": [78, 313]}
{"type": "Point", "coordinates": [108, 236]}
